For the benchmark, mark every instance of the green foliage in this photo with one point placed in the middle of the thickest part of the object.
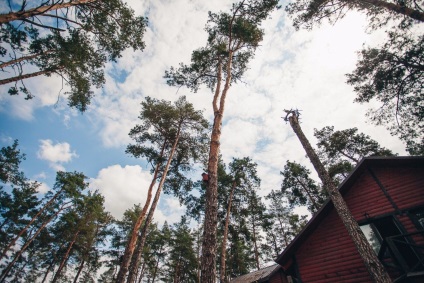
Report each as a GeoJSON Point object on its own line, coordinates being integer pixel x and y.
{"type": "Point", "coordinates": [300, 189]}
{"type": "Point", "coordinates": [307, 13]}
{"type": "Point", "coordinates": [75, 45]}
{"type": "Point", "coordinates": [10, 159]}
{"type": "Point", "coordinates": [232, 39]}
{"type": "Point", "coordinates": [154, 137]}
{"type": "Point", "coordinates": [280, 224]}
{"type": "Point", "coordinates": [182, 261]}
{"type": "Point", "coordinates": [393, 74]}
{"type": "Point", "coordinates": [342, 150]}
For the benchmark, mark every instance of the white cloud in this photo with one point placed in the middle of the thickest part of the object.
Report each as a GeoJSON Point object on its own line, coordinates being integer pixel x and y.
{"type": "Point", "coordinates": [55, 154]}
{"type": "Point", "coordinates": [43, 188]}
{"type": "Point", "coordinates": [123, 187]}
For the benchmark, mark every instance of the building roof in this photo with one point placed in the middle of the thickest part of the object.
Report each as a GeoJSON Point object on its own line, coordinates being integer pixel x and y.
{"type": "Point", "coordinates": [257, 276]}
{"type": "Point", "coordinates": [368, 162]}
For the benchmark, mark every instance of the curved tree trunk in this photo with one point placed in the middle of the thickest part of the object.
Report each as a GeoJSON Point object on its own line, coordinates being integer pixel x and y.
{"type": "Point", "coordinates": [132, 241]}
{"type": "Point", "coordinates": [139, 251]}
{"type": "Point", "coordinates": [222, 277]}
{"type": "Point", "coordinates": [373, 265]}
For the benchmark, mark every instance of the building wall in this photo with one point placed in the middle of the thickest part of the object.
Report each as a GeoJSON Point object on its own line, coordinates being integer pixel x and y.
{"type": "Point", "coordinates": [329, 255]}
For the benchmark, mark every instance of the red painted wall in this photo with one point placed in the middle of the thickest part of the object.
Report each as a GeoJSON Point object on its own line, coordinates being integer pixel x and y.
{"type": "Point", "coordinates": [329, 255]}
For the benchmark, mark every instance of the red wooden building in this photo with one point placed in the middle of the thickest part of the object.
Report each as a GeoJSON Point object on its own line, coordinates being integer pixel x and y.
{"type": "Point", "coordinates": [386, 197]}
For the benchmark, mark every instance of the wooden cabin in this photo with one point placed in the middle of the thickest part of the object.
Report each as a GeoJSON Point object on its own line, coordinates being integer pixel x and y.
{"type": "Point", "coordinates": [270, 274]}
{"type": "Point", "coordinates": [386, 197]}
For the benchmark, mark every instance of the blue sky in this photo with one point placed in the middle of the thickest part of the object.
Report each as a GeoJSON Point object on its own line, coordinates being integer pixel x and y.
{"type": "Point", "coordinates": [304, 70]}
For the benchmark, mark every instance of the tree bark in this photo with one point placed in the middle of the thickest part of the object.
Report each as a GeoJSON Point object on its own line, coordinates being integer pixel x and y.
{"type": "Point", "coordinates": [139, 251]}
{"type": "Point", "coordinates": [208, 258]}
{"type": "Point", "coordinates": [414, 14]}
{"type": "Point", "coordinates": [373, 265]}
{"type": "Point", "coordinates": [22, 77]}
{"type": "Point", "coordinates": [129, 250]}
{"type": "Point", "coordinates": [222, 277]}
{"type": "Point", "coordinates": [23, 58]}
{"type": "Point", "coordinates": [81, 266]}
{"type": "Point", "coordinates": [13, 16]}
{"type": "Point", "coordinates": [65, 258]}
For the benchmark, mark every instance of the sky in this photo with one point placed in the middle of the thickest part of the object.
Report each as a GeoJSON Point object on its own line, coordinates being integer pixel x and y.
{"type": "Point", "coordinates": [291, 69]}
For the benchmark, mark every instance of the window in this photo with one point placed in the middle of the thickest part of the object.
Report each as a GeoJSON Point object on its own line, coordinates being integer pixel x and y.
{"type": "Point", "coordinates": [396, 245]}
{"type": "Point", "coordinates": [372, 237]}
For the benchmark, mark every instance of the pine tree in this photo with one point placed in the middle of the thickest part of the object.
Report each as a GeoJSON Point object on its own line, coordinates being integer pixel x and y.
{"type": "Point", "coordinates": [232, 40]}
{"type": "Point", "coordinates": [73, 39]}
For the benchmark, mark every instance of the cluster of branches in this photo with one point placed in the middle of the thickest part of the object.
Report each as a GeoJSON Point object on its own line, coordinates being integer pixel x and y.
{"type": "Point", "coordinates": [45, 238]}
{"type": "Point", "coordinates": [72, 39]}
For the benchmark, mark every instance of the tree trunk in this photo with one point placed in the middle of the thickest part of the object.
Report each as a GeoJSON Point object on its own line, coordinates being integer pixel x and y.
{"type": "Point", "coordinates": [414, 14]}
{"type": "Point", "coordinates": [314, 204]}
{"type": "Point", "coordinates": [24, 247]}
{"type": "Point", "coordinates": [23, 58]}
{"type": "Point", "coordinates": [132, 241]}
{"type": "Point", "coordinates": [22, 77]}
{"type": "Point", "coordinates": [81, 266]}
{"type": "Point", "coordinates": [139, 251]}
{"type": "Point", "coordinates": [208, 268]}
{"type": "Point", "coordinates": [142, 272]}
{"type": "Point", "coordinates": [65, 258]}
{"type": "Point", "coordinates": [255, 244]}
{"type": "Point", "coordinates": [51, 264]}
{"type": "Point", "coordinates": [283, 231]}
{"type": "Point", "coordinates": [373, 265]}
{"type": "Point", "coordinates": [13, 16]}
{"type": "Point", "coordinates": [222, 277]}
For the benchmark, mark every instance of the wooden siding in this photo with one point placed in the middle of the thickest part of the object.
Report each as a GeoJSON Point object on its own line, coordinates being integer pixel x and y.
{"type": "Point", "coordinates": [328, 255]}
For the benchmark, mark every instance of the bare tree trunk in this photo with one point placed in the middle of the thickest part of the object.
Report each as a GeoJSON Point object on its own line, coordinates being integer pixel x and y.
{"type": "Point", "coordinates": [139, 251]}
{"type": "Point", "coordinates": [23, 58]}
{"type": "Point", "coordinates": [65, 258]}
{"type": "Point", "coordinates": [373, 265]}
{"type": "Point", "coordinates": [132, 241]}
{"type": "Point", "coordinates": [22, 77]}
{"type": "Point", "coordinates": [20, 15]}
{"type": "Point", "coordinates": [222, 277]}
{"type": "Point", "coordinates": [208, 258]}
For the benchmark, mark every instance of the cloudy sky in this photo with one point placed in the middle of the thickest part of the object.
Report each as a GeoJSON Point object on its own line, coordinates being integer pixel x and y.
{"type": "Point", "coordinates": [291, 69]}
